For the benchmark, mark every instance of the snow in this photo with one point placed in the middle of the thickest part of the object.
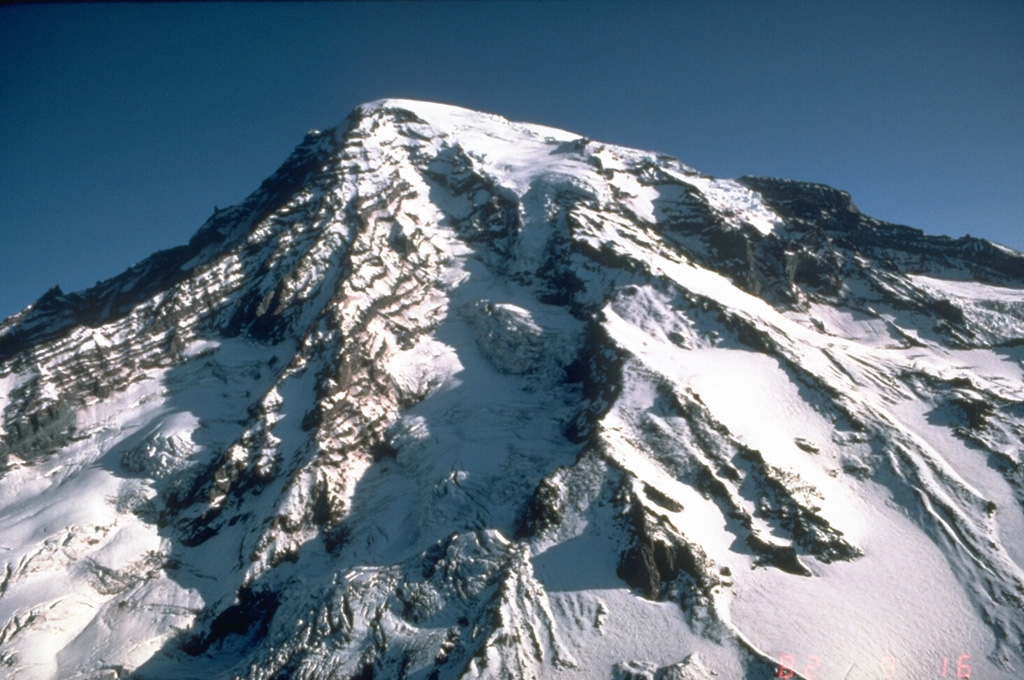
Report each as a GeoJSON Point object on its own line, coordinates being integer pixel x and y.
{"type": "Point", "coordinates": [970, 290]}
{"type": "Point", "coordinates": [916, 618]}
{"type": "Point", "coordinates": [965, 463]}
{"type": "Point", "coordinates": [427, 366]}
{"type": "Point", "coordinates": [850, 324]}
{"type": "Point", "coordinates": [735, 202]}
{"type": "Point", "coordinates": [516, 153]}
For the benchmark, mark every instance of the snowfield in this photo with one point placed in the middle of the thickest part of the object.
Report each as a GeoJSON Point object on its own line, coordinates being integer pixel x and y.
{"type": "Point", "coordinates": [454, 397]}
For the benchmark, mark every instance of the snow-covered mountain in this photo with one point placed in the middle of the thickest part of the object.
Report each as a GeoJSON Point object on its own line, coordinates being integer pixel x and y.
{"type": "Point", "coordinates": [452, 397]}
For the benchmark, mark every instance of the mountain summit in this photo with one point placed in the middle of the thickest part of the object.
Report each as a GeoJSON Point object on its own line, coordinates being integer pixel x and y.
{"type": "Point", "coordinates": [453, 397]}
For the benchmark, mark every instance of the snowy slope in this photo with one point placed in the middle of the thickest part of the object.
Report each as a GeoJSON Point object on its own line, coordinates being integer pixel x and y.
{"type": "Point", "coordinates": [450, 396]}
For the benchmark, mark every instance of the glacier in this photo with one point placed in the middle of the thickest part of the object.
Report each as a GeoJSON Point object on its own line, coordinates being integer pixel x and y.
{"type": "Point", "coordinates": [451, 396]}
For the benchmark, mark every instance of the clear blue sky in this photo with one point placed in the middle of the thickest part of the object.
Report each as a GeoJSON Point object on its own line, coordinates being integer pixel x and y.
{"type": "Point", "coordinates": [122, 126]}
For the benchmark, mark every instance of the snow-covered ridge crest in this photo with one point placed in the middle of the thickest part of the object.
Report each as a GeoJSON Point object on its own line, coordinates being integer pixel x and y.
{"type": "Point", "coordinates": [452, 396]}
{"type": "Point", "coordinates": [450, 118]}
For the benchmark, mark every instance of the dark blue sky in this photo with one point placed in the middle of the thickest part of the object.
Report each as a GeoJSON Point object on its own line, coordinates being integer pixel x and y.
{"type": "Point", "coordinates": [122, 126]}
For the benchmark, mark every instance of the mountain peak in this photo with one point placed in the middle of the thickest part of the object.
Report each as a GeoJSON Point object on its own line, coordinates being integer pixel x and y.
{"type": "Point", "coordinates": [451, 396]}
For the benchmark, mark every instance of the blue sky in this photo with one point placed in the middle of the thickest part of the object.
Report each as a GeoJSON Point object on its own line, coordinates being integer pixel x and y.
{"type": "Point", "coordinates": [122, 126]}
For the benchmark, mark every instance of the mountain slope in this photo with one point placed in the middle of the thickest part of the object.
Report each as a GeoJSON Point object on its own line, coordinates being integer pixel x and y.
{"type": "Point", "coordinates": [455, 397]}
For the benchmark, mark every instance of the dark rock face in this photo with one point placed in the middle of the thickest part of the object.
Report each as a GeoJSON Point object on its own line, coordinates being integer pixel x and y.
{"type": "Point", "coordinates": [41, 433]}
{"type": "Point", "coordinates": [805, 202]}
{"type": "Point", "coordinates": [810, 208]}
{"type": "Point", "coordinates": [249, 617]}
{"type": "Point", "coordinates": [657, 561]}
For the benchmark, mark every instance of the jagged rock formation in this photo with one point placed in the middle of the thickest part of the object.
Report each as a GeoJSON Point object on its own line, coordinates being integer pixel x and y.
{"type": "Point", "coordinates": [454, 397]}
